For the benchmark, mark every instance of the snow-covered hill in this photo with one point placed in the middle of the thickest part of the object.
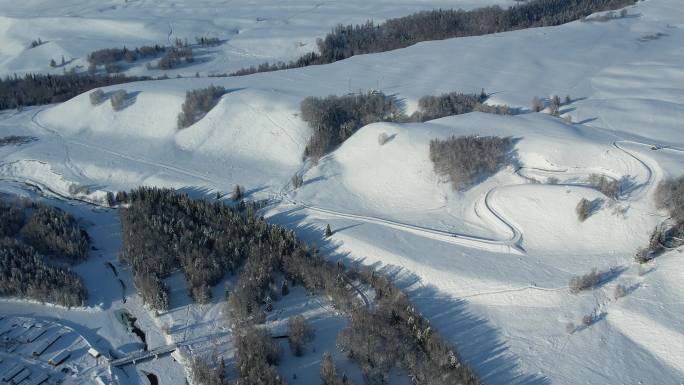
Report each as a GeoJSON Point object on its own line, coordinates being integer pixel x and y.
{"type": "Point", "coordinates": [489, 266]}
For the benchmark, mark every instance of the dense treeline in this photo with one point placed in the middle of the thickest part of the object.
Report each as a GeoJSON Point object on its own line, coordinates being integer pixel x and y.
{"type": "Point", "coordinates": [464, 159]}
{"type": "Point", "coordinates": [350, 40]}
{"type": "Point", "coordinates": [25, 274]}
{"type": "Point", "coordinates": [53, 232]}
{"type": "Point", "coordinates": [113, 55]}
{"type": "Point", "coordinates": [164, 230]}
{"type": "Point", "coordinates": [49, 230]}
{"type": "Point", "coordinates": [395, 335]}
{"type": "Point", "coordinates": [34, 89]}
{"type": "Point", "coordinates": [335, 118]}
{"type": "Point", "coordinates": [40, 230]}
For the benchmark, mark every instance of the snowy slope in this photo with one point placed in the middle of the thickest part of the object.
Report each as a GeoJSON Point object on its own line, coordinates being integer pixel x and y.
{"type": "Point", "coordinates": [251, 32]}
{"type": "Point", "coordinates": [489, 266]}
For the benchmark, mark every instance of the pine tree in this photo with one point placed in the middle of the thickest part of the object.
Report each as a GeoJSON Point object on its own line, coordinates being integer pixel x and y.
{"type": "Point", "coordinates": [238, 193]}
{"type": "Point", "coordinates": [328, 231]}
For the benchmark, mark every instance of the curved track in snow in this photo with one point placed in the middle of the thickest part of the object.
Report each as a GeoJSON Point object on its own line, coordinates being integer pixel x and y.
{"type": "Point", "coordinates": [511, 245]}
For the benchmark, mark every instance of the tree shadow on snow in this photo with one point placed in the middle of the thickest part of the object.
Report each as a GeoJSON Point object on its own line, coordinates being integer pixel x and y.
{"type": "Point", "coordinates": [478, 342]}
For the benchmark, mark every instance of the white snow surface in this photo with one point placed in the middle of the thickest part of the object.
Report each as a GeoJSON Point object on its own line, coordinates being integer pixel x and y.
{"type": "Point", "coordinates": [489, 266]}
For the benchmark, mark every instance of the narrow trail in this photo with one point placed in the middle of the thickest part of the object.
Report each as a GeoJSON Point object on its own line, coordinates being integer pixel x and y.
{"type": "Point", "coordinates": [91, 146]}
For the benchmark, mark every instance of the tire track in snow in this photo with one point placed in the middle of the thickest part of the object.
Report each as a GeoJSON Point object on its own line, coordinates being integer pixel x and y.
{"type": "Point", "coordinates": [115, 153]}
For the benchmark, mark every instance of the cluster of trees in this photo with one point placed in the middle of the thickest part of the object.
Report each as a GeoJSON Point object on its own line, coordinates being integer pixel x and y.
{"type": "Point", "coordinates": [181, 50]}
{"type": "Point", "coordinates": [669, 196]}
{"type": "Point", "coordinates": [299, 333]}
{"type": "Point", "coordinates": [16, 140]}
{"type": "Point", "coordinates": [464, 159]}
{"type": "Point", "coordinates": [108, 57]}
{"type": "Point", "coordinates": [454, 103]}
{"type": "Point", "coordinates": [303, 61]}
{"type": "Point", "coordinates": [256, 357]}
{"type": "Point", "coordinates": [29, 232]}
{"type": "Point", "coordinates": [587, 281]}
{"type": "Point", "coordinates": [25, 274]}
{"type": "Point", "coordinates": [350, 40]}
{"type": "Point", "coordinates": [609, 187]}
{"type": "Point", "coordinates": [164, 230]}
{"type": "Point", "coordinates": [118, 99]}
{"type": "Point", "coordinates": [206, 41]}
{"type": "Point", "coordinates": [33, 89]}
{"type": "Point", "coordinates": [175, 57]}
{"type": "Point", "coordinates": [335, 118]}
{"type": "Point", "coordinates": [584, 209]}
{"type": "Point", "coordinates": [198, 103]}
{"type": "Point", "coordinates": [395, 335]}
{"type": "Point", "coordinates": [208, 372]}
{"type": "Point", "coordinates": [329, 372]}
{"type": "Point", "coordinates": [36, 43]}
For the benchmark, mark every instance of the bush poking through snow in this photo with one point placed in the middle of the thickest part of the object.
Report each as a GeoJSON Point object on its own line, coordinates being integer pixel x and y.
{"type": "Point", "coordinates": [619, 292]}
{"type": "Point", "coordinates": [587, 320]}
{"type": "Point", "coordinates": [197, 104]}
{"type": "Point", "coordinates": [97, 97]}
{"type": "Point", "coordinates": [537, 104]}
{"type": "Point", "coordinates": [299, 333]}
{"type": "Point", "coordinates": [297, 181]}
{"type": "Point", "coordinates": [118, 100]}
{"type": "Point", "coordinates": [584, 209]}
{"type": "Point", "coordinates": [587, 281]}
{"type": "Point", "coordinates": [570, 327]}
{"type": "Point", "coordinates": [383, 138]}
{"type": "Point", "coordinates": [609, 187]}
{"type": "Point", "coordinates": [464, 159]}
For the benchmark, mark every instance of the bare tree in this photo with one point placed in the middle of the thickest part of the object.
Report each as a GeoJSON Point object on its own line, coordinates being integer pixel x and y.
{"type": "Point", "coordinates": [584, 209]}
{"type": "Point", "coordinates": [118, 99]}
{"type": "Point", "coordinates": [298, 334]}
{"type": "Point", "coordinates": [537, 104]}
{"type": "Point", "coordinates": [96, 97]}
{"type": "Point", "coordinates": [585, 282]}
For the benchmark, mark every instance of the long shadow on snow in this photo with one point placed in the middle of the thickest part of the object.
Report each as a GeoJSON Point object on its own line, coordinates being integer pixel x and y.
{"type": "Point", "coordinates": [476, 340]}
